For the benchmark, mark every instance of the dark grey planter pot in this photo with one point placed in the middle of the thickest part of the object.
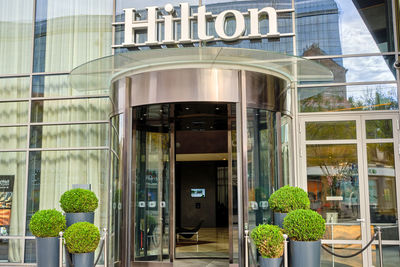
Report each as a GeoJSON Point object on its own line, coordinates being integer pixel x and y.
{"type": "Point", "coordinates": [72, 218]}
{"type": "Point", "coordinates": [278, 218]}
{"type": "Point", "coordinates": [270, 262]}
{"type": "Point", "coordinates": [83, 259]}
{"type": "Point", "coordinates": [305, 253]}
{"type": "Point", "coordinates": [47, 251]}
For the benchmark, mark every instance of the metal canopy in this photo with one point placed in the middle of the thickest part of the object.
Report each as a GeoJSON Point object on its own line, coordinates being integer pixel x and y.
{"type": "Point", "coordinates": [98, 74]}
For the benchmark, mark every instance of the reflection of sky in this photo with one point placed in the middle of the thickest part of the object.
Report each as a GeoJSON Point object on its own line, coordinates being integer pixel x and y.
{"type": "Point", "coordinates": [356, 39]}
{"type": "Point", "coordinates": [140, 4]}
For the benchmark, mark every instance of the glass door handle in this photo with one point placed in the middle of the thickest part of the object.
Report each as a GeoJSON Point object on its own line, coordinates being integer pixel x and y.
{"type": "Point", "coordinates": [361, 220]}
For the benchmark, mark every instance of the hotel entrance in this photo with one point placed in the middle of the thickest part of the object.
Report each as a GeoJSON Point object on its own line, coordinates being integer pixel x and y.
{"type": "Point", "coordinates": [197, 147]}
{"type": "Point", "coordinates": [184, 182]}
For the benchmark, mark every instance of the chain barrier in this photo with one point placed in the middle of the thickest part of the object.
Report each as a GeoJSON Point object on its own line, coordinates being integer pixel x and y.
{"type": "Point", "coordinates": [351, 255]}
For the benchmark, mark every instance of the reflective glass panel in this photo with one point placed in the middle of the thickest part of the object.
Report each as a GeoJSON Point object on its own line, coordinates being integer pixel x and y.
{"type": "Point", "coordinates": [348, 98]}
{"type": "Point", "coordinates": [79, 135]}
{"type": "Point", "coordinates": [360, 69]}
{"type": "Point", "coordinates": [391, 255]}
{"type": "Point", "coordinates": [12, 170]}
{"type": "Point", "coordinates": [58, 85]}
{"type": "Point", "coordinates": [16, 36]}
{"type": "Point", "coordinates": [382, 188]}
{"type": "Point", "coordinates": [70, 33]}
{"type": "Point", "coordinates": [327, 260]}
{"type": "Point", "coordinates": [333, 188]}
{"type": "Point", "coordinates": [13, 112]}
{"type": "Point", "coordinates": [376, 129]}
{"type": "Point", "coordinates": [151, 228]}
{"type": "Point", "coordinates": [13, 137]}
{"type": "Point", "coordinates": [14, 88]}
{"type": "Point", "coordinates": [327, 27]}
{"type": "Point", "coordinates": [326, 130]}
{"type": "Point", "coordinates": [141, 5]}
{"type": "Point", "coordinates": [115, 220]}
{"type": "Point", "coordinates": [262, 164]}
{"type": "Point", "coordinates": [51, 173]}
{"type": "Point", "coordinates": [70, 110]}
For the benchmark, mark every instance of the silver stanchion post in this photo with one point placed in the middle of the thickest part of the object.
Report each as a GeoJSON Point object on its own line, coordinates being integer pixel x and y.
{"type": "Point", "coordinates": [380, 246]}
{"type": "Point", "coordinates": [285, 251]}
{"type": "Point", "coordinates": [105, 247]}
{"type": "Point", "coordinates": [60, 260]}
{"type": "Point", "coordinates": [246, 248]}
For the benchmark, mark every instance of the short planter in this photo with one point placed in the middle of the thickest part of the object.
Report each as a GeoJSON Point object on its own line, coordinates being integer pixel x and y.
{"type": "Point", "coordinates": [83, 259]}
{"type": "Point", "coordinates": [278, 219]}
{"type": "Point", "coordinates": [305, 253]}
{"type": "Point", "coordinates": [270, 262]}
{"type": "Point", "coordinates": [79, 217]}
{"type": "Point", "coordinates": [47, 251]}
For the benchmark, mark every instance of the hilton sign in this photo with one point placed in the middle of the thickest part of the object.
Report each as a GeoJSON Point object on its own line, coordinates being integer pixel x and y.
{"type": "Point", "coordinates": [202, 17]}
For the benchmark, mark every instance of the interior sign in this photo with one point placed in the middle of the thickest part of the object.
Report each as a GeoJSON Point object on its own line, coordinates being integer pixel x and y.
{"type": "Point", "coordinates": [133, 26]}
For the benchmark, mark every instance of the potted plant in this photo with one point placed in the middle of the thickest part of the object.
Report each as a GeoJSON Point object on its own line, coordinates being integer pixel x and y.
{"type": "Point", "coordinates": [46, 225]}
{"type": "Point", "coordinates": [305, 229]}
{"type": "Point", "coordinates": [270, 244]}
{"type": "Point", "coordinates": [79, 205]}
{"type": "Point", "coordinates": [81, 240]}
{"type": "Point", "coordinates": [286, 199]}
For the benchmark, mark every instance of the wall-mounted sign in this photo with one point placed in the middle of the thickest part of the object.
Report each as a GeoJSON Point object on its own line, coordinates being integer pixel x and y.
{"type": "Point", "coordinates": [167, 17]}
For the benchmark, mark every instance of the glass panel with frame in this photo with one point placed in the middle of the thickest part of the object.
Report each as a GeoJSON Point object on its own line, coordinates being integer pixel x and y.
{"type": "Point", "coordinates": [115, 220]}
{"type": "Point", "coordinates": [151, 228]}
{"type": "Point", "coordinates": [262, 162]}
{"type": "Point", "coordinates": [382, 189]}
{"type": "Point", "coordinates": [12, 169]}
{"type": "Point", "coordinates": [343, 27]}
{"type": "Point", "coordinates": [348, 98]}
{"type": "Point", "coordinates": [333, 188]}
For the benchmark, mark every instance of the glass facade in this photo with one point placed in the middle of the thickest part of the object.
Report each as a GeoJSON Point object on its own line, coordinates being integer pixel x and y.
{"type": "Point", "coordinates": [51, 134]}
{"type": "Point", "coordinates": [344, 134]}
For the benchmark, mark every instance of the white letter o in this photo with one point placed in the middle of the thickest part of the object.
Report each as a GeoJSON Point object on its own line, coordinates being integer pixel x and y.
{"type": "Point", "coordinates": [220, 25]}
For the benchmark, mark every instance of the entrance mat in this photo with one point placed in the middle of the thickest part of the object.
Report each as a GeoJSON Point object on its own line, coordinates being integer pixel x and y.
{"type": "Point", "coordinates": [192, 243]}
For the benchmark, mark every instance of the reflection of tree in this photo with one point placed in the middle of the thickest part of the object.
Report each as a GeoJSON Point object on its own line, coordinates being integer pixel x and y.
{"type": "Point", "coordinates": [374, 98]}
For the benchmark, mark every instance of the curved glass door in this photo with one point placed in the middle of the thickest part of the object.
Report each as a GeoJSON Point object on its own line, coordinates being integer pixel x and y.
{"type": "Point", "coordinates": [151, 155]}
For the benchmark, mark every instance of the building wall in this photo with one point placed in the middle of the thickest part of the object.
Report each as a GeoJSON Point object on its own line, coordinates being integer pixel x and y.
{"type": "Point", "coordinates": [53, 135]}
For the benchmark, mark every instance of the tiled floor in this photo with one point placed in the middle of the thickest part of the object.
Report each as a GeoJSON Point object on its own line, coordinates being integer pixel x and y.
{"type": "Point", "coordinates": [213, 243]}
{"type": "Point", "coordinates": [201, 263]}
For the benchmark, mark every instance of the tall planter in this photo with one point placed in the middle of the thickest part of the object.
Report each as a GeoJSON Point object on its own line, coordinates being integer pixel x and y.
{"type": "Point", "coordinates": [305, 253]}
{"type": "Point", "coordinates": [270, 262]}
{"type": "Point", "coordinates": [278, 219]}
{"type": "Point", "coordinates": [47, 251]}
{"type": "Point", "coordinates": [83, 259]}
{"type": "Point", "coordinates": [46, 225]}
{"type": "Point", "coordinates": [79, 217]}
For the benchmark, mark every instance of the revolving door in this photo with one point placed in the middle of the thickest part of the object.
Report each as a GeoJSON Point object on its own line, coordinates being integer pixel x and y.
{"type": "Point", "coordinates": [166, 123]}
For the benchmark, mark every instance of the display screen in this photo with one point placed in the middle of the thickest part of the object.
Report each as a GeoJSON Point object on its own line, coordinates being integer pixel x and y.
{"type": "Point", "coordinates": [197, 192]}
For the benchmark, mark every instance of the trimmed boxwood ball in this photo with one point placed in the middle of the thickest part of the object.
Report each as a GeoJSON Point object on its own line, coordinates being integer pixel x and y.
{"type": "Point", "coordinates": [288, 198]}
{"type": "Point", "coordinates": [268, 240]}
{"type": "Point", "coordinates": [47, 223]}
{"type": "Point", "coordinates": [79, 200]}
{"type": "Point", "coordinates": [82, 237]}
{"type": "Point", "coordinates": [304, 225]}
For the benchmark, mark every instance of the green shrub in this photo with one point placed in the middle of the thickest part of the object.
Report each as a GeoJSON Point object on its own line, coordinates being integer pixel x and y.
{"type": "Point", "coordinates": [47, 223]}
{"type": "Point", "coordinates": [82, 237]}
{"type": "Point", "coordinates": [268, 240]}
{"type": "Point", "coordinates": [304, 225]}
{"type": "Point", "coordinates": [289, 198]}
{"type": "Point", "coordinates": [79, 200]}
